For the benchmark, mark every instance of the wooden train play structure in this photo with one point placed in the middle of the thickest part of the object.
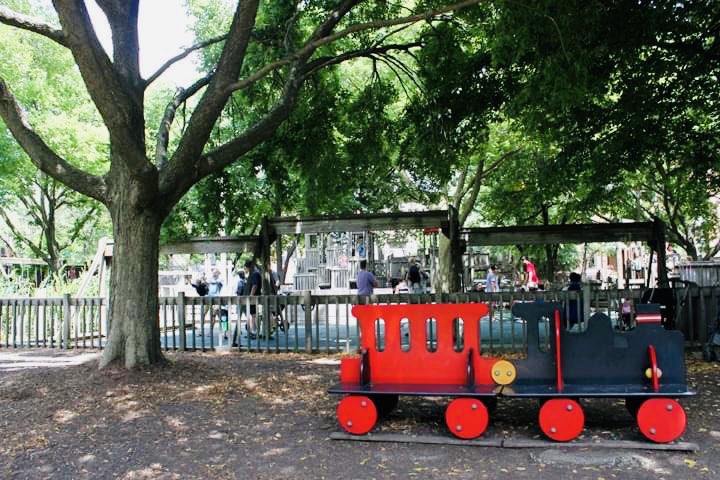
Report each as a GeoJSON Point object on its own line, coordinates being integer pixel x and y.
{"type": "Point", "coordinates": [645, 366]}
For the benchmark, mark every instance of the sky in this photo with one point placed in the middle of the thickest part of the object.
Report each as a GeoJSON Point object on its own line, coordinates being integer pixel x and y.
{"type": "Point", "coordinates": [164, 30]}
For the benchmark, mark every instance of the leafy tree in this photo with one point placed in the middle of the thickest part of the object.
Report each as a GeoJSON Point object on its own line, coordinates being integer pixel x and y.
{"type": "Point", "coordinates": [139, 191]}
{"type": "Point", "coordinates": [456, 95]}
{"type": "Point", "coordinates": [45, 218]}
{"type": "Point", "coordinates": [628, 93]}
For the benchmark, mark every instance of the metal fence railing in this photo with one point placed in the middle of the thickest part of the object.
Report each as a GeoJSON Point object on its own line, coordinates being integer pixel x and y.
{"type": "Point", "coordinates": [318, 323]}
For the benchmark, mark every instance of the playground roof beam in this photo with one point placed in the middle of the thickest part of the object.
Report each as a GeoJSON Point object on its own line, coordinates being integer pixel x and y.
{"type": "Point", "coordinates": [360, 223]}
{"type": "Point", "coordinates": [551, 234]}
{"type": "Point", "coordinates": [653, 233]}
{"type": "Point", "coordinates": [212, 245]}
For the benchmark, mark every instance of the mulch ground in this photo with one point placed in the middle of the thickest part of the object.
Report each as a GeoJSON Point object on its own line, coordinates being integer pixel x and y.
{"type": "Point", "coordinates": [268, 416]}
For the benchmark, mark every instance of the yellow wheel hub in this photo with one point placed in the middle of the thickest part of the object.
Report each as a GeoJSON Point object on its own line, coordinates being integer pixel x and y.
{"type": "Point", "coordinates": [503, 372]}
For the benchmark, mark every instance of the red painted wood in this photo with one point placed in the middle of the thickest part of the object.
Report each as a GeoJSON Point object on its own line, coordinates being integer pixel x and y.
{"type": "Point", "coordinates": [648, 318]}
{"type": "Point", "coordinates": [654, 369]}
{"type": "Point", "coordinates": [466, 417]}
{"type": "Point", "coordinates": [350, 370]}
{"type": "Point", "coordinates": [661, 420]}
{"type": "Point", "coordinates": [419, 366]}
{"type": "Point", "coordinates": [558, 358]}
{"type": "Point", "coordinates": [561, 419]}
{"type": "Point", "coordinates": [356, 414]}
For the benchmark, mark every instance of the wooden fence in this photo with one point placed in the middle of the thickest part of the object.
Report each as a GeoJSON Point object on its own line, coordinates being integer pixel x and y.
{"type": "Point", "coordinates": [312, 323]}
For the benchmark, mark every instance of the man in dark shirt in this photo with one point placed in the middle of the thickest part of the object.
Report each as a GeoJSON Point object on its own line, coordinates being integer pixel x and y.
{"type": "Point", "coordinates": [365, 280]}
{"type": "Point", "coordinates": [254, 283]}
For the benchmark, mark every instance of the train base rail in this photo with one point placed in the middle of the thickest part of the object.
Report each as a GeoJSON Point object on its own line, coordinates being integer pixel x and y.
{"type": "Point", "coordinates": [502, 442]}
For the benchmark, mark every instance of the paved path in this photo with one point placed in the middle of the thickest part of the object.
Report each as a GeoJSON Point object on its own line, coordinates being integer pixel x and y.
{"type": "Point", "coordinates": [13, 361]}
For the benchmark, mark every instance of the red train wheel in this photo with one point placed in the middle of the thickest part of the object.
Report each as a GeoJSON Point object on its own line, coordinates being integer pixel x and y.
{"type": "Point", "coordinates": [356, 414]}
{"type": "Point", "coordinates": [562, 419]}
{"type": "Point", "coordinates": [466, 417]}
{"type": "Point", "coordinates": [661, 420]}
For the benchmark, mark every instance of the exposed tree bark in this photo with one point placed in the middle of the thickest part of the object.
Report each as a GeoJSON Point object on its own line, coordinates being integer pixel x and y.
{"type": "Point", "coordinates": [134, 338]}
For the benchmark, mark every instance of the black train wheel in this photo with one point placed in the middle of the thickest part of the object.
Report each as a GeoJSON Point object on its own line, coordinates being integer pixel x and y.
{"type": "Point", "coordinates": [490, 404]}
{"type": "Point", "coordinates": [385, 403]}
{"type": "Point", "coordinates": [633, 405]}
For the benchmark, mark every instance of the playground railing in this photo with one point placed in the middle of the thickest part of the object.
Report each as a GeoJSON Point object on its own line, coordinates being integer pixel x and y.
{"type": "Point", "coordinates": [317, 323]}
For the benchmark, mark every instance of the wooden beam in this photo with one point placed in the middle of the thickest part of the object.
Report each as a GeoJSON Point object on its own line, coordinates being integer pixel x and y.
{"type": "Point", "coordinates": [360, 223]}
{"type": "Point", "coordinates": [501, 442]}
{"type": "Point", "coordinates": [552, 234]}
{"type": "Point", "coordinates": [21, 261]}
{"type": "Point", "coordinates": [211, 245]}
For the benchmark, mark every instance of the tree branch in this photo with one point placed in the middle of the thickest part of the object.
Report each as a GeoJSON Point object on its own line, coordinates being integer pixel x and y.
{"type": "Point", "coordinates": [42, 156]}
{"type": "Point", "coordinates": [78, 225]}
{"type": "Point", "coordinates": [313, 45]}
{"type": "Point", "coordinates": [324, 62]}
{"type": "Point", "coordinates": [9, 246]}
{"type": "Point", "coordinates": [163, 135]}
{"type": "Point", "coordinates": [31, 24]}
{"type": "Point", "coordinates": [19, 237]}
{"type": "Point", "coordinates": [34, 210]}
{"type": "Point", "coordinates": [215, 97]}
{"type": "Point", "coordinates": [116, 92]}
{"type": "Point", "coordinates": [181, 55]}
{"type": "Point", "coordinates": [188, 165]}
{"type": "Point", "coordinates": [174, 187]}
{"type": "Point", "coordinates": [122, 15]}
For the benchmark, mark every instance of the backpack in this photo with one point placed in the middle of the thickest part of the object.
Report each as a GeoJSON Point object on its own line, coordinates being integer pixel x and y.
{"type": "Point", "coordinates": [414, 274]}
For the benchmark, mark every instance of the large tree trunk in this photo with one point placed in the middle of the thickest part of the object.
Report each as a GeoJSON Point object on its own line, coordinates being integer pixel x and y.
{"type": "Point", "coordinates": [135, 332]}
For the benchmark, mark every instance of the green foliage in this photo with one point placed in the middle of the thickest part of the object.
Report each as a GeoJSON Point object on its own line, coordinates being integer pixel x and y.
{"type": "Point", "coordinates": [627, 92]}
{"type": "Point", "coordinates": [44, 218]}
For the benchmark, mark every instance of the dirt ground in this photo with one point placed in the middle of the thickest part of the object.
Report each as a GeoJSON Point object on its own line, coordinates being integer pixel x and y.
{"type": "Point", "coordinates": [267, 416]}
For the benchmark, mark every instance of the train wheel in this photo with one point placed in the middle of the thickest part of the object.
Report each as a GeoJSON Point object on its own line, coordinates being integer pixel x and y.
{"type": "Point", "coordinates": [633, 405]}
{"type": "Point", "coordinates": [562, 419]}
{"type": "Point", "coordinates": [356, 414]}
{"type": "Point", "coordinates": [385, 403]}
{"type": "Point", "coordinates": [466, 418]}
{"type": "Point", "coordinates": [490, 404]}
{"type": "Point", "coordinates": [661, 420]}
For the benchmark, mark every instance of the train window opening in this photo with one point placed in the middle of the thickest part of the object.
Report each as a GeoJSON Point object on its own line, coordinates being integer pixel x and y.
{"type": "Point", "coordinates": [458, 334]}
{"type": "Point", "coordinates": [405, 334]}
{"type": "Point", "coordinates": [544, 324]}
{"type": "Point", "coordinates": [431, 334]}
{"type": "Point", "coordinates": [380, 335]}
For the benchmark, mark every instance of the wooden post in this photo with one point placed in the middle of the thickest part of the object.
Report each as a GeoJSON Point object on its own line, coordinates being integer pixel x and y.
{"type": "Point", "coordinates": [586, 292]}
{"type": "Point", "coordinates": [279, 262]}
{"type": "Point", "coordinates": [180, 304]}
{"type": "Point", "coordinates": [65, 326]}
{"type": "Point", "coordinates": [456, 267]}
{"type": "Point", "coordinates": [307, 303]}
{"type": "Point", "coordinates": [265, 251]}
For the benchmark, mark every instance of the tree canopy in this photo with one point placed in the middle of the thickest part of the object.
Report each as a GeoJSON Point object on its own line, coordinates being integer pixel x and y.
{"type": "Point", "coordinates": [513, 113]}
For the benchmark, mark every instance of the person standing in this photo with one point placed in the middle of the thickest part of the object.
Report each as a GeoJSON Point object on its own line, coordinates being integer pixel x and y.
{"type": "Point", "coordinates": [216, 284]}
{"type": "Point", "coordinates": [254, 286]}
{"type": "Point", "coordinates": [240, 290]}
{"type": "Point", "coordinates": [414, 277]}
{"type": "Point", "coordinates": [575, 306]}
{"type": "Point", "coordinates": [366, 281]}
{"type": "Point", "coordinates": [491, 280]}
{"type": "Point", "coordinates": [531, 278]}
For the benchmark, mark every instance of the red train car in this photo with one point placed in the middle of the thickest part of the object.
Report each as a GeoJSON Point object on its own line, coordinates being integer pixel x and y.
{"type": "Point", "coordinates": [645, 366]}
